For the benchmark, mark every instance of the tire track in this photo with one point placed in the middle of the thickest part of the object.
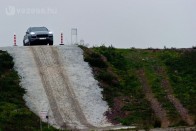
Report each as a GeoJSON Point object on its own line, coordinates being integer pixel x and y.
{"type": "Point", "coordinates": [156, 106]}
{"type": "Point", "coordinates": [73, 99]}
{"type": "Point", "coordinates": [63, 102]}
{"type": "Point", "coordinates": [40, 65]}
{"type": "Point", "coordinates": [168, 89]}
{"type": "Point", "coordinates": [56, 86]}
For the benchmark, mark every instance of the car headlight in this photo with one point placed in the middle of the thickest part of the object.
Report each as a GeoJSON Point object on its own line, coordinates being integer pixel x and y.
{"type": "Point", "coordinates": [32, 33]}
{"type": "Point", "coordinates": [50, 33]}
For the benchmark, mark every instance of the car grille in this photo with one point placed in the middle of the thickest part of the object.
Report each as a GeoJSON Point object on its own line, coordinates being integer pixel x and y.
{"type": "Point", "coordinates": [43, 35]}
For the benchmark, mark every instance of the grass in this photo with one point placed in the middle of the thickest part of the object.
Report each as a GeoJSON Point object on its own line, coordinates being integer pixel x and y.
{"type": "Point", "coordinates": [14, 115]}
{"type": "Point", "coordinates": [182, 74]}
{"type": "Point", "coordinates": [116, 71]}
{"type": "Point", "coordinates": [122, 83]}
{"type": "Point", "coordinates": [148, 60]}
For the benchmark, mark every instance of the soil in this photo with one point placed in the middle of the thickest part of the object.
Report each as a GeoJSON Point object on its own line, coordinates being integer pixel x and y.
{"type": "Point", "coordinates": [170, 96]}
{"type": "Point", "coordinates": [156, 106]}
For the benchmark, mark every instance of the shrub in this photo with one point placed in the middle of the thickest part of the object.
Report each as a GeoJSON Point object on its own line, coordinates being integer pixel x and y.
{"type": "Point", "coordinates": [6, 61]}
{"type": "Point", "coordinates": [96, 60]}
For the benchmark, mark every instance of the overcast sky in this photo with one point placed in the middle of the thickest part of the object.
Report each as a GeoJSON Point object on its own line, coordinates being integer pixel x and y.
{"type": "Point", "coordinates": [121, 23]}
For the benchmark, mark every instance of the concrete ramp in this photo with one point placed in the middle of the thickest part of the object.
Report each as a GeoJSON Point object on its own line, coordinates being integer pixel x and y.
{"type": "Point", "coordinates": [61, 85]}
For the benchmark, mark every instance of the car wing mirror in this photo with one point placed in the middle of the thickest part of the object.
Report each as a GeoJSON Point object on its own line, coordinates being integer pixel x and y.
{"type": "Point", "coordinates": [27, 32]}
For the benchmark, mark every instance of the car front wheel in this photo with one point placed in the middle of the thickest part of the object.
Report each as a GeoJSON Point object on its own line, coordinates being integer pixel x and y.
{"type": "Point", "coordinates": [26, 42]}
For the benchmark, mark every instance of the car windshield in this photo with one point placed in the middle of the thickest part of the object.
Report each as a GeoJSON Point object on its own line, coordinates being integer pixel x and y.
{"type": "Point", "coordinates": [39, 29]}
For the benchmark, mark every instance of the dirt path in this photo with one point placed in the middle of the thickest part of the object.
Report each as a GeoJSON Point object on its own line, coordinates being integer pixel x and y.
{"type": "Point", "coordinates": [156, 106]}
{"type": "Point", "coordinates": [65, 107]}
{"type": "Point", "coordinates": [168, 89]}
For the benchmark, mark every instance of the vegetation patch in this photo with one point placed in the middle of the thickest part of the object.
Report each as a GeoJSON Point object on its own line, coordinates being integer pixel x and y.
{"type": "Point", "coordinates": [116, 70]}
{"type": "Point", "coordinates": [181, 70]}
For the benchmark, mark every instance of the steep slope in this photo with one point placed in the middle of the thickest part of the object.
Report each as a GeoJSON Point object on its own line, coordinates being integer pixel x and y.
{"type": "Point", "coordinates": [145, 88]}
{"type": "Point", "coordinates": [14, 114]}
{"type": "Point", "coordinates": [139, 92]}
{"type": "Point", "coordinates": [61, 85]}
{"type": "Point", "coordinates": [155, 104]}
{"type": "Point", "coordinates": [177, 104]}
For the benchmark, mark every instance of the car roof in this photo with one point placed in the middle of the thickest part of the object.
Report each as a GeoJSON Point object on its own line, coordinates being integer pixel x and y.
{"type": "Point", "coordinates": [30, 28]}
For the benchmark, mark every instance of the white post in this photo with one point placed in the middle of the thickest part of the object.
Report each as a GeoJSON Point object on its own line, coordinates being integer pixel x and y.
{"type": "Point", "coordinates": [74, 32]}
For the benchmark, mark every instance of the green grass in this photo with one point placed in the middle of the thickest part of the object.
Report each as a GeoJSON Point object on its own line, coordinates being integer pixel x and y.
{"type": "Point", "coordinates": [14, 115]}
{"type": "Point", "coordinates": [181, 66]}
{"type": "Point", "coordinates": [121, 83]}
{"type": "Point", "coordinates": [149, 61]}
{"type": "Point", "coordinates": [116, 71]}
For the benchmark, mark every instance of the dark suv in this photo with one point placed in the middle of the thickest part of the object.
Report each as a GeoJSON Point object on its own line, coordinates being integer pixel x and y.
{"type": "Point", "coordinates": [38, 36]}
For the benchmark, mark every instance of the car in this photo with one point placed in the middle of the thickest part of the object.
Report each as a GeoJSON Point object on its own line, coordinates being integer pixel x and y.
{"type": "Point", "coordinates": [38, 36]}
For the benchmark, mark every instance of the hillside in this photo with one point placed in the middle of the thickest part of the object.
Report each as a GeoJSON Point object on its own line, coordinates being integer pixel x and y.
{"type": "Point", "coordinates": [143, 88]}
{"type": "Point", "coordinates": [60, 87]}
{"type": "Point", "coordinates": [14, 114]}
{"type": "Point", "coordinates": [148, 88]}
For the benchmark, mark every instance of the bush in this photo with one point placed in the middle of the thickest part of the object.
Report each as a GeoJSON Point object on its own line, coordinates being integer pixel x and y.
{"type": "Point", "coordinates": [6, 61]}
{"type": "Point", "coordinates": [96, 60]}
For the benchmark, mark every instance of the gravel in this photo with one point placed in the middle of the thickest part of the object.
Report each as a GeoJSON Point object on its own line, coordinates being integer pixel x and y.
{"type": "Point", "coordinates": [86, 89]}
{"type": "Point", "coordinates": [84, 85]}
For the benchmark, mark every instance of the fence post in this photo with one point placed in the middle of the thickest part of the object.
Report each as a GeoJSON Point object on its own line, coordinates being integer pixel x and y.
{"type": "Point", "coordinates": [15, 40]}
{"type": "Point", "coordinates": [61, 39]}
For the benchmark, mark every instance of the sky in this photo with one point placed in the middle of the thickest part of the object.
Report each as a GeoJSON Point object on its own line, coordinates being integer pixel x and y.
{"type": "Point", "coordinates": [121, 23]}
